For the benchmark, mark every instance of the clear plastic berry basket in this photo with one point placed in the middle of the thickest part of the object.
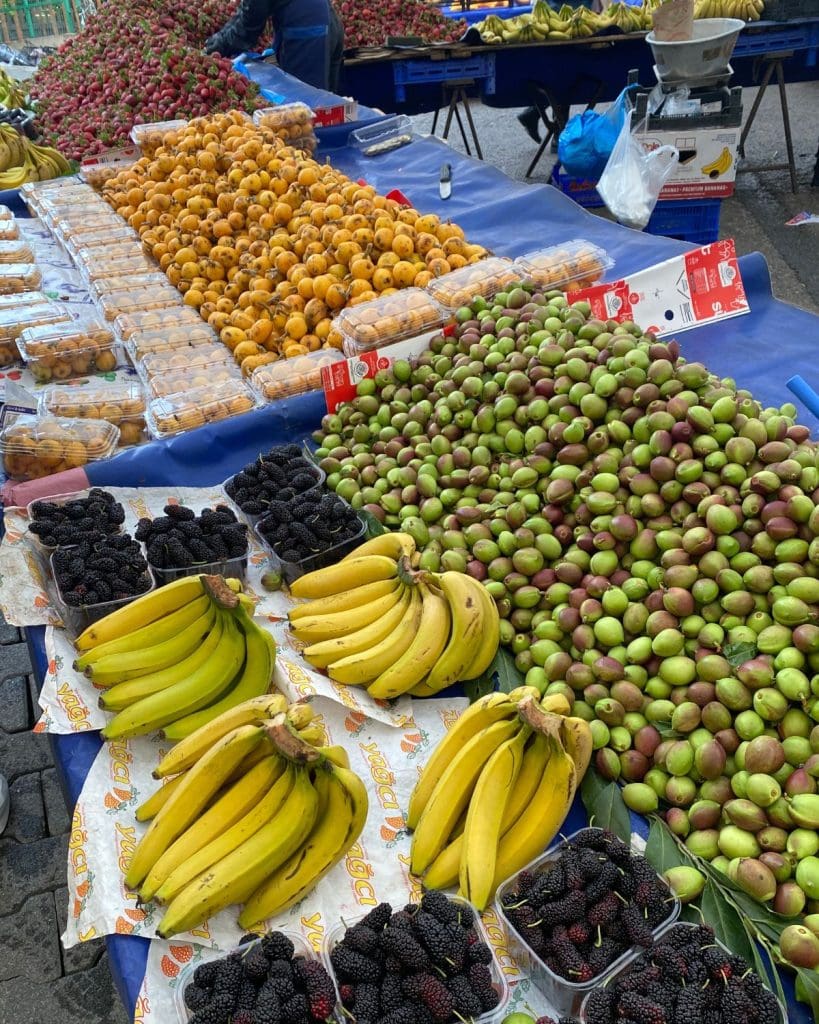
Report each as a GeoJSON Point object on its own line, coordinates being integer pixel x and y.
{"type": "Point", "coordinates": [565, 996]}
{"type": "Point", "coordinates": [45, 550]}
{"type": "Point", "coordinates": [484, 278]}
{"type": "Point", "coordinates": [163, 322]}
{"type": "Point", "coordinates": [76, 618]}
{"type": "Point", "coordinates": [300, 948]}
{"type": "Point", "coordinates": [336, 933]}
{"type": "Point", "coordinates": [392, 318]}
{"type": "Point", "coordinates": [574, 264]}
{"type": "Point", "coordinates": [36, 446]}
{"type": "Point", "coordinates": [57, 352]}
{"type": "Point", "coordinates": [296, 376]}
{"type": "Point", "coordinates": [230, 568]}
{"type": "Point", "coordinates": [178, 413]}
{"type": "Point", "coordinates": [19, 277]}
{"type": "Point", "coordinates": [329, 556]}
{"type": "Point", "coordinates": [630, 960]}
{"type": "Point", "coordinates": [252, 518]}
{"type": "Point", "coordinates": [197, 377]}
{"type": "Point", "coordinates": [120, 402]}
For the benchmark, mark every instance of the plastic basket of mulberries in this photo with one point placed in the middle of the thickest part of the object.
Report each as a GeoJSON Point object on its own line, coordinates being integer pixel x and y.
{"type": "Point", "coordinates": [182, 543]}
{"type": "Point", "coordinates": [270, 978]}
{"type": "Point", "coordinates": [687, 975]}
{"type": "Point", "coordinates": [283, 473]}
{"type": "Point", "coordinates": [393, 991]}
{"type": "Point", "coordinates": [92, 580]}
{"type": "Point", "coordinates": [309, 533]}
{"type": "Point", "coordinates": [574, 917]}
{"type": "Point", "coordinates": [65, 519]}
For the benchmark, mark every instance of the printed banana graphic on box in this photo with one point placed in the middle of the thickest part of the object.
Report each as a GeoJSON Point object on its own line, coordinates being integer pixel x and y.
{"type": "Point", "coordinates": [707, 165]}
{"type": "Point", "coordinates": [719, 166]}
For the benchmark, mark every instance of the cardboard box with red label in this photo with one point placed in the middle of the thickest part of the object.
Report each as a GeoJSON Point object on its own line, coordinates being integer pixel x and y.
{"type": "Point", "coordinates": [708, 161]}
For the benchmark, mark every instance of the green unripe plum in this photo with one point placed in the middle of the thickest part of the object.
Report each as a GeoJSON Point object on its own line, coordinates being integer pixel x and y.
{"type": "Point", "coordinates": [735, 842]}
{"type": "Point", "coordinates": [640, 798]}
{"type": "Point", "coordinates": [685, 882]}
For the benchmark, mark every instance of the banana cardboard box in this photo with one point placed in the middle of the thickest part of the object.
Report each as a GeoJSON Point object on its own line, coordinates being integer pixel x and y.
{"type": "Point", "coordinates": [708, 161]}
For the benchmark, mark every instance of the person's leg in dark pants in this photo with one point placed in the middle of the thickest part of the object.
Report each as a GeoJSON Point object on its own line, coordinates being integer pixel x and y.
{"type": "Point", "coordinates": [530, 119]}
{"type": "Point", "coordinates": [336, 52]}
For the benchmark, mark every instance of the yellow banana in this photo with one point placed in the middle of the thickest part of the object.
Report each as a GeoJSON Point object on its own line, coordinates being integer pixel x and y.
{"type": "Point", "coordinates": [468, 623]}
{"type": "Point", "coordinates": [255, 680]}
{"type": "Point", "coordinates": [189, 750]}
{"type": "Point", "coordinates": [142, 612]}
{"type": "Point", "coordinates": [314, 629]}
{"type": "Point", "coordinates": [312, 734]}
{"type": "Point", "coordinates": [235, 877]}
{"type": "Point", "coordinates": [338, 755]}
{"type": "Point", "coordinates": [339, 824]}
{"type": "Point", "coordinates": [393, 545]}
{"type": "Point", "coordinates": [541, 820]}
{"type": "Point", "coordinates": [164, 629]}
{"type": "Point", "coordinates": [157, 800]}
{"type": "Point", "coordinates": [453, 791]}
{"type": "Point", "coordinates": [360, 669]}
{"type": "Point", "coordinates": [555, 703]}
{"type": "Point", "coordinates": [344, 601]}
{"type": "Point", "coordinates": [344, 576]}
{"type": "Point", "coordinates": [125, 694]}
{"type": "Point", "coordinates": [444, 871]}
{"type": "Point", "coordinates": [117, 668]}
{"type": "Point", "coordinates": [484, 819]}
{"type": "Point", "coordinates": [361, 640]}
{"type": "Point", "coordinates": [184, 861]}
{"type": "Point", "coordinates": [487, 644]}
{"type": "Point", "coordinates": [578, 741]}
{"type": "Point", "coordinates": [424, 650]}
{"type": "Point", "coordinates": [493, 707]}
{"type": "Point", "coordinates": [239, 800]}
{"type": "Point", "coordinates": [300, 715]}
{"type": "Point", "coordinates": [201, 688]}
{"type": "Point", "coordinates": [190, 798]}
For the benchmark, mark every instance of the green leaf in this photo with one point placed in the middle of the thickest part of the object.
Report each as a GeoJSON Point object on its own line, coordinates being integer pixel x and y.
{"type": "Point", "coordinates": [503, 675]}
{"type": "Point", "coordinates": [662, 850]}
{"type": "Point", "coordinates": [808, 988]}
{"type": "Point", "coordinates": [604, 805]}
{"type": "Point", "coordinates": [725, 920]}
{"type": "Point", "coordinates": [374, 528]}
{"type": "Point", "coordinates": [736, 654]}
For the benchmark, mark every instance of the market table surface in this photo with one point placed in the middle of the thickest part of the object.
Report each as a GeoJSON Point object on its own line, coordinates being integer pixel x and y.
{"type": "Point", "coordinates": [760, 350]}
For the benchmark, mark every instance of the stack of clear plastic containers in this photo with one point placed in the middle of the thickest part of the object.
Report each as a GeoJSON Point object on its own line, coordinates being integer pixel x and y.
{"type": "Point", "coordinates": [294, 376]}
{"type": "Point", "coordinates": [101, 237]}
{"type": "Point", "coordinates": [34, 192]}
{"type": "Point", "coordinates": [484, 278]}
{"type": "Point", "coordinates": [15, 250]}
{"type": "Point", "coordinates": [292, 122]}
{"type": "Point", "coordinates": [178, 327]}
{"type": "Point", "coordinates": [391, 318]}
{"type": "Point", "coordinates": [572, 265]}
{"type": "Point", "coordinates": [106, 262]}
{"type": "Point", "coordinates": [16, 320]}
{"type": "Point", "coordinates": [37, 446]}
{"type": "Point", "coordinates": [133, 300]}
{"type": "Point", "coordinates": [73, 226]}
{"type": "Point", "coordinates": [152, 278]}
{"type": "Point", "coordinates": [149, 137]}
{"type": "Point", "coordinates": [196, 378]}
{"type": "Point", "coordinates": [198, 406]}
{"type": "Point", "coordinates": [120, 402]}
{"type": "Point", "coordinates": [60, 351]}
{"type": "Point", "coordinates": [174, 362]}
{"type": "Point", "coordinates": [19, 277]}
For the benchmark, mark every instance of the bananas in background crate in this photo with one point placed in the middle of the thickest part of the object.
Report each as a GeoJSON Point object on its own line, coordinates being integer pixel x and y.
{"type": "Point", "coordinates": [11, 92]}
{"type": "Point", "coordinates": [545, 23]}
{"type": "Point", "coordinates": [22, 160]}
{"type": "Point", "coordinates": [254, 811]}
{"type": "Point", "coordinates": [746, 10]}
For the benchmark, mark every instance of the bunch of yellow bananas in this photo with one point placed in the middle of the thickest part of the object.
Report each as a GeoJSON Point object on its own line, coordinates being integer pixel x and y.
{"type": "Point", "coordinates": [253, 813]}
{"type": "Point", "coordinates": [496, 790]}
{"type": "Point", "coordinates": [374, 621]}
{"type": "Point", "coordinates": [543, 22]}
{"type": "Point", "coordinates": [21, 160]}
{"type": "Point", "coordinates": [746, 10]}
{"type": "Point", "coordinates": [177, 657]}
{"type": "Point", "coordinates": [12, 95]}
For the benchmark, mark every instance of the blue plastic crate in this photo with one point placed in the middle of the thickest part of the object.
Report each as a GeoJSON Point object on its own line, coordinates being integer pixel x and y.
{"type": "Point", "coordinates": [689, 221]}
{"type": "Point", "coordinates": [584, 193]}
{"type": "Point", "coordinates": [428, 72]}
{"type": "Point", "coordinates": [770, 37]}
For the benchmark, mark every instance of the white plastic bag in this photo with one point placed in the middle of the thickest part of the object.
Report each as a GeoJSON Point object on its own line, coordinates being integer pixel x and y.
{"type": "Point", "coordinates": [633, 178]}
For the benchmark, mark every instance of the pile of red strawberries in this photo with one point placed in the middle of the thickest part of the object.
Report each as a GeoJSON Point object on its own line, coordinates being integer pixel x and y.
{"type": "Point", "coordinates": [371, 25]}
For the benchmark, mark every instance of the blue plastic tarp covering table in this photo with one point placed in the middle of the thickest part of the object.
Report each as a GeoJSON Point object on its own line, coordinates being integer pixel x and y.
{"type": "Point", "coordinates": [760, 350]}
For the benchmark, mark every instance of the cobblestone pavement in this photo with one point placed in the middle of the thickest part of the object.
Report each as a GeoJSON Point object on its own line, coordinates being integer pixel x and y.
{"type": "Point", "coordinates": [39, 981]}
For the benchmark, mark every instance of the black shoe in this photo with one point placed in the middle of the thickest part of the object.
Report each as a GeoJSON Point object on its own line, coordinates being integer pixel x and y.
{"type": "Point", "coordinates": [530, 119]}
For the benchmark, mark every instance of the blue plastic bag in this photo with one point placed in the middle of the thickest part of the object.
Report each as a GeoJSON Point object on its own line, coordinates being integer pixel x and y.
{"type": "Point", "coordinates": [587, 141]}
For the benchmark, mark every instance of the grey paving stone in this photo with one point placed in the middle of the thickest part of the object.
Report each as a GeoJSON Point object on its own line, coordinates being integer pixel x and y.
{"type": "Point", "coordinates": [14, 660]}
{"type": "Point", "coordinates": [23, 752]}
{"type": "Point", "coordinates": [14, 700]}
{"type": "Point", "coordinates": [27, 869]}
{"type": "Point", "coordinates": [8, 634]}
{"type": "Point", "coordinates": [27, 820]}
{"type": "Point", "coordinates": [84, 955]}
{"type": "Point", "coordinates": [29, 944]}
{"type": "Point", "coordinates": [57, 816]}
{"type": "Point", "coordinates": [88, 997]}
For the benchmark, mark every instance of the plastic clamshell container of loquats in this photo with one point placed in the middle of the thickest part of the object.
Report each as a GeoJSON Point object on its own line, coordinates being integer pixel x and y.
{"type": "Point", "coordinates": [16, 300]}
{"type": "Point", "coordinates": [101, 237]}
{"type": "Point", "coordinates": [572, 265]}
{"type": "Point", "coordinates": [60, 351]}
{"type": "Point", "coordinates": [107, 264]}
{"type": "Point", "coordinates": [484, 278]}
{"type": "Point", "coordinates": [409, 313]}
{"type": "Point", "coordinates": [151, 136]}
{"type": "Point", "coordinates": [194, 378]}
{"type": "Point", "coordinates": [295, 376]}
{"type": "Point", "coordinates": [564, 995]}
{"type": "Point", "coordinates": [19, 277]}
{"type": "Point", "coordinates": [115, 304]}
{"type": "Point", "coordinates": [168, 361]}
{"type": "Point", "coordinates": [284, 115]}
{"type": "Point", "coordinates": [127, 282]}
{"type": "Point", "coordinates": [70, 208]}
{"type": "Point", "coordinates": [35, 446]}
{"type": "Point", "coordinates": [9, 231]}
{"type": "Point", "coordinates": [17, 319]}
{"type": "Point", "coordinates": [164, 323]}
{"type": "Point", "coordinates": [16, 250]}
{"type": "Point", "coordinates": [76, 221]}
{"type": "Point", "coordinates": [120, 402]}
{"type": "Point", "coordinates": [198, 406]}
{"type": "Point", "coordinates": [184, 339]}
{"type": "Point", "coordinates": [5, 213]}
{"type": "Point", "coordinates": [33, 193]}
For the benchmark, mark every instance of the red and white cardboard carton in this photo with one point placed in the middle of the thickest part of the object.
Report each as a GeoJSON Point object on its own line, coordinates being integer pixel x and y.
{"type": "Point", "coordinates": [708, 161]}
{"type": "Point", "coordinates": [700, 287]}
